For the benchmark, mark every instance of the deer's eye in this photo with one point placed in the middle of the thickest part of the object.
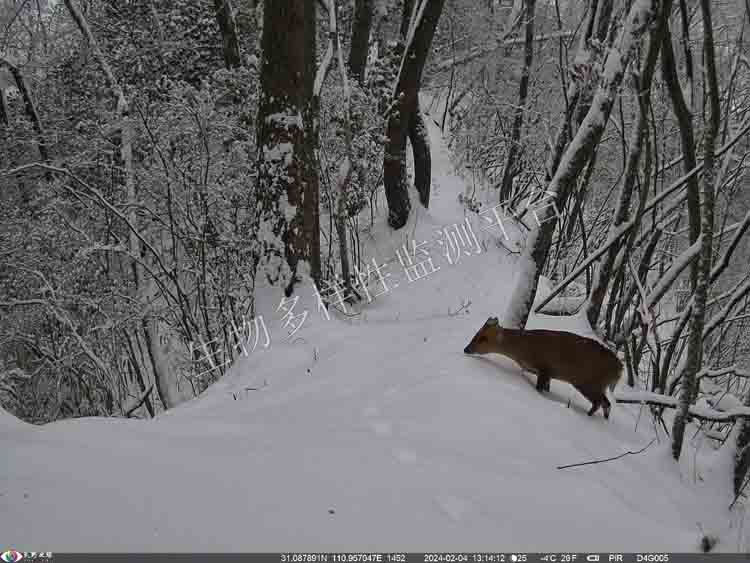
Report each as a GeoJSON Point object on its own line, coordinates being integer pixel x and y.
{"type": "Point", "coordinates": [482, 339]}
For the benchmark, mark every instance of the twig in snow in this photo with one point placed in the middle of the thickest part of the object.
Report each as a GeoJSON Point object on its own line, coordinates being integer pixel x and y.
{"type": "Point", "coordinates": [609, 458]}
{"type": "Point", "coordinates": [458, 311]}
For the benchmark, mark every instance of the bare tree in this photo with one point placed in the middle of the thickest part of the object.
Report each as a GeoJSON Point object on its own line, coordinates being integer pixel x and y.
{"type": "Point", "coordinates": [695, 340]}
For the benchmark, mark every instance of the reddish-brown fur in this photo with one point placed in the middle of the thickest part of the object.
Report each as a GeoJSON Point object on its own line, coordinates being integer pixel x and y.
{"type": "Point", "coordinates": [586, 364]}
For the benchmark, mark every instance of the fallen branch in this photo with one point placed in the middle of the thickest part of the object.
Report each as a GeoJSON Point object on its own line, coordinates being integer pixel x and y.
{"type": "Point", "coordinates": [608, 459]}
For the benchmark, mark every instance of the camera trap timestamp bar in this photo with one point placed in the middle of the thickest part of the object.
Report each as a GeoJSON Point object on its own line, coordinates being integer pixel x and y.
{"type": "Point", "coordinates": [14, 556]}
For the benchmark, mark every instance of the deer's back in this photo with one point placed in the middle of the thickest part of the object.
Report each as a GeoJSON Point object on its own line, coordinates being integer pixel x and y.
{"type": "Point", "coordinates": [564, 355]}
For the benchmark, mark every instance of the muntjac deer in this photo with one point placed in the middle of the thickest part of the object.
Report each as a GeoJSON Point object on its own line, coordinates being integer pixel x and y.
{"type": "Point", "coordinates": [586, 364]}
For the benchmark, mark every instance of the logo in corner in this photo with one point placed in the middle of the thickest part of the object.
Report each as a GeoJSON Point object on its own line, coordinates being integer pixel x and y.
{"type": "Point", "coordinates": [11, 556]}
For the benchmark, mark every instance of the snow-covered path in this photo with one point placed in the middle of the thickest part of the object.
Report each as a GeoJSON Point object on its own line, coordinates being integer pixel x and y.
{"type": "Point", "coordinates": [372, 432]}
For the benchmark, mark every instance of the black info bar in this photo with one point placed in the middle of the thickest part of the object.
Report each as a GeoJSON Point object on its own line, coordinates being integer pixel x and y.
{"type": "Point", "coordinates": [14, 556]}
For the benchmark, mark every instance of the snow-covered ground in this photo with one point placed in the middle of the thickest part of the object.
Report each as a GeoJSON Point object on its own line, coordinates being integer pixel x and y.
{"type": "Point", "coordinates": [372, 431]}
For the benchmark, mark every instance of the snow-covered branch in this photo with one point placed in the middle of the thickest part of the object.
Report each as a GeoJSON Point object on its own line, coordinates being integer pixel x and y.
{"type": "Point", "coordinates": [701, 413]}
{"type": "Point", "coordinates": [675, 269]}
{"type": "Point", "coordinates": [731, 370]}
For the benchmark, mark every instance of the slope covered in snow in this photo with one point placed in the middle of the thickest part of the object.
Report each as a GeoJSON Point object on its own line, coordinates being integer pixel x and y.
{"type": "Point", "coordinates": [370, 431]}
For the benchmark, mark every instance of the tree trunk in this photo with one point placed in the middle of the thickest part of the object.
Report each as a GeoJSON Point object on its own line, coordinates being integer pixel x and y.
{"type": "Point", "coordinates": [603, 18]}
{"type": "Point", "coordinates": [565, 129]}
{"type": "Point", "coordinates": [684, 17]}
{"type": "Point", "coordinates": [228, 26]}
{"type": "Point", "coordinates": [506, 187]}
{"type": "Point", "coordinates": [407, 10]}
{"type": "Point", "coordinates": [288, 177]}
{"type": "Point", "coordinates": [420, 147]}
{"type": "Point", "coordinates": [687, 140]}
{"type": "Point", "coordinates": [697, 320]}
{"type": "Point", "coordinates": [360, 48]}
{"type": "Point", "coordinates": [4, 117]}
{"type": "Point", "coordinates": [28, 104]}
{"type": "Point", "coordinates": [406, 104]}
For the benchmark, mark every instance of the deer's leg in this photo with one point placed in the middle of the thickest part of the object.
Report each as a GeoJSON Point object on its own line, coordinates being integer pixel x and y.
{"type": "Point", "coordinates": [591, 395]}
{"type": "Point", "coordinates": [542, 382]}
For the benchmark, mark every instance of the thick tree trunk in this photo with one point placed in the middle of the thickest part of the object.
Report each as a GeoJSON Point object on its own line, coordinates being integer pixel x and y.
{"type": "Point", "coordinates": [406, 104]}
{"type": "Point", "coordinates": [288, 178]}
{"type": "Point", "coordinates": [394, 172]}
{"type": "Point", "coordinates": [420, 146]}
{"type": "Point", "coordinates": [228, 26]}
{"type": "Point", "coordinates": [363, 12]}
{"type": "Point", "coordinates": [3, 108]}
{"type": "Point", "coordinates": [697, 320]}
{"type": "Point", "coordinates": [603, 17]}
{"type": "Point", "coordinates": [4, 116]}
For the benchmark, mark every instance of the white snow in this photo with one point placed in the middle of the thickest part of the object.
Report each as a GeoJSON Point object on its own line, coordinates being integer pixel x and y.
{"type": "Point", "coordinates": [371, 432]}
